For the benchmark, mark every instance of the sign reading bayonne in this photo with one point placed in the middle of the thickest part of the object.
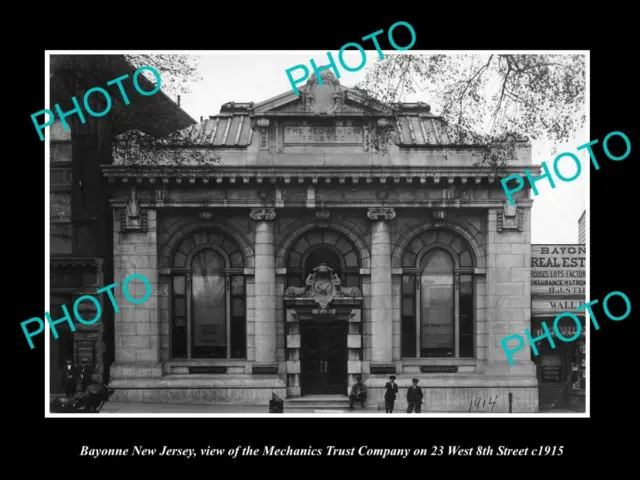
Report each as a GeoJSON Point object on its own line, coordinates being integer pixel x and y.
{"type": "Point", "coordinates": [338, 135]}
{"type": "Point", "coordinates": [558, 270]}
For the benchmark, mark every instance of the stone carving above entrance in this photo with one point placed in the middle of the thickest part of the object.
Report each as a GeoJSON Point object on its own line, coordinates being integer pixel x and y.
{"type": "Point", "coordinates": [509, 218]}
{"type": "Point", "coordinates": [322, 286]}
{"type": "Point", "coordinates": [323, 99]}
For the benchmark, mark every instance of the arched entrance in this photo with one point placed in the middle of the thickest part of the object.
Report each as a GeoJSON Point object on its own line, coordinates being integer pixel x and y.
{"type": "Point", "coordinates": [323, 333]}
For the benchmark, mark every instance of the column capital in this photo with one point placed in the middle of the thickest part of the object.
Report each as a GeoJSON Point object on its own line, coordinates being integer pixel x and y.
{"type": "Point", "coordinates": [263, 213]}
{"type": "Point", "coordinates": [383, 213]}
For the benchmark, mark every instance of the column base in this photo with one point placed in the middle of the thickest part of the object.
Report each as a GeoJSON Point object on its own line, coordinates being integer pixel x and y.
{"type": "Point", "coordinates": [199, 389]}
{"type": "Point", "coordinates": [524, 369]}
{"type": "Point", "coordinates": [126, 370]}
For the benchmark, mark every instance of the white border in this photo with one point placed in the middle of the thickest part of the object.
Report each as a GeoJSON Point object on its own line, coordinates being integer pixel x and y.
{"type": "Point", "coordinates": [48, 53]}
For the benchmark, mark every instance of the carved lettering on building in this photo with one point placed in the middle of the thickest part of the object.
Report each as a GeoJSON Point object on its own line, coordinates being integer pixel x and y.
{"type": "Point", "coordinates": [321, 135]}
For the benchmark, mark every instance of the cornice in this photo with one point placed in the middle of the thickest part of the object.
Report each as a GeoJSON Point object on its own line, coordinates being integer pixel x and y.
{"type": "Point", "coordinates": [204, 175]}
{"type": "Point", "coordinates": [337, 204]}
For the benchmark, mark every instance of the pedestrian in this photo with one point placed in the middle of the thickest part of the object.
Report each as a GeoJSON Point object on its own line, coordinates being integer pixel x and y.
{"type": "Point", "coordinates": [70, 378]}
{"type": "Point", "coordinates": [391, 389]}
{"type": "Point", "coordinates": [358, 393]}
{"type": "Point", "coordinates": [414, 397]}
{"type": "Point", "coordinates": [86, 377]}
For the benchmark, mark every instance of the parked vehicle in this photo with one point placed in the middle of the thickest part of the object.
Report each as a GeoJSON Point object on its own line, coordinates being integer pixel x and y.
{"type": "Point", "coordinates": [89, 401]}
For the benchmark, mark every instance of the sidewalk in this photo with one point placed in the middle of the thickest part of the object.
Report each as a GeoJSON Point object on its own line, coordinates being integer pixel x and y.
{"type": "Point", "coordinates": [169, 408]}
{"type": "Point", "coordinates": [121, 407]}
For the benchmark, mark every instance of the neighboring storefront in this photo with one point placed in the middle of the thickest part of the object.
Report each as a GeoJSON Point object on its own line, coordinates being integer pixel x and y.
{"type": "Point", "coordinates": [81, 250]}
{"type": "Point", "coordinates": [558, 284]}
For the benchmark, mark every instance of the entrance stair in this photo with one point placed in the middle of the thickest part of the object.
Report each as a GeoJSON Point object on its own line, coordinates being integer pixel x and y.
{"type": "Point", "coordinates": [323, 404]}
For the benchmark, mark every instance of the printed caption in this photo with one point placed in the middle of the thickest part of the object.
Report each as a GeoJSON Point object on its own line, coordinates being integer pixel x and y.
{"type": "Point", "coordinates": [328, 451]}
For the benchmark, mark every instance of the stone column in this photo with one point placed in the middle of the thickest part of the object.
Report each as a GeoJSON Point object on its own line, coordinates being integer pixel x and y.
{"type": "Point", "coordinates": [381, 288]}
{"type": "Point", "coordinates": [508, 298]}
{"type": "Point", "coordinates": [265, 285]}
{"type": "Point", "coordinates": [136, 325]}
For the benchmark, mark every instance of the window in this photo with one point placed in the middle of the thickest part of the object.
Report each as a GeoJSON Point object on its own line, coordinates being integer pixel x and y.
{"type": "Point", "coordinates": [437, 301]}
{"type": "Point", "coordinates": [323, 246]}
{"type": "Point", "coordinates": [208, 299]}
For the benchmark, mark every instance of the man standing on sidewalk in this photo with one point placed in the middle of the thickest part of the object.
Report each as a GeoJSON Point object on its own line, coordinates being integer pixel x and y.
{"type": "Point", "coordinates": [391, 389]}
{"type": "Point", "coordinates": [70, 375]}
{"type": "Point", "coordinates": [414, 397]}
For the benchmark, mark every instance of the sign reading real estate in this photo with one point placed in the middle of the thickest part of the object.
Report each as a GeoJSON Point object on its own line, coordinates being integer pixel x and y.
{"type": "Point", "coordinates": [558, 270]}
{"type": "Point", "coordinates": [323, 135]}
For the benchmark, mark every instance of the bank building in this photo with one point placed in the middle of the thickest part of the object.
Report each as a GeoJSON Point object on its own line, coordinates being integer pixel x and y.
{"type": "Point", "coordinates": [313, 254]}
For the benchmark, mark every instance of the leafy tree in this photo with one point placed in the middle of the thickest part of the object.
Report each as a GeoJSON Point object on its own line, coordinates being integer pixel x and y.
{"type": "Point", "coordinates": [133, 147]}
{"type": "Point", "coordinates": [492, 98]}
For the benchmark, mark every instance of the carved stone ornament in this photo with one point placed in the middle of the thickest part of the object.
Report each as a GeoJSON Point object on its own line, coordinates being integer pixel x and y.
{"type": "Point", "coordinates": [263, 128]}
{"type": "Point", "coordinates": [325, 99]}
{"type": "Point", "coordinates": [322, 286]}
{"type": "Point", "coordinates": [381, 213]}
{"type": "Point", "coordinates": [510, 218]}
{"type": "Point", "coordinates": [323, 215]}
{"type": "Point", "coordinates": [263, 213]}
{"type": "Point", "coordinates": [439, 214]}
{"type": "Point", "coordinates": [133, 218]}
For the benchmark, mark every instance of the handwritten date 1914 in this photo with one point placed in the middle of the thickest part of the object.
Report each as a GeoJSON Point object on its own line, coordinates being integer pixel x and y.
{"type": "Point", "coordinates": [481, 403]}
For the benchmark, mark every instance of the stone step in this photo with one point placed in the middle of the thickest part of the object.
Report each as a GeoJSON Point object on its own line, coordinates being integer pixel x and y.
{"type": "Point", "coordinates": [323, 404]}
{"type": "Point", "coordinates": [318, 398]}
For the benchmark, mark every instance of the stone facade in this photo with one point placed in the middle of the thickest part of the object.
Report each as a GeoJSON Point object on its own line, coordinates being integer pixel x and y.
{"type": "Point", "coordinates": [319, 236]}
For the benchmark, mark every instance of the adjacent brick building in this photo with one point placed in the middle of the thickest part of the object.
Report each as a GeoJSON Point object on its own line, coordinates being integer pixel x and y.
{"type": "Point", "coordinates": [80, 214]}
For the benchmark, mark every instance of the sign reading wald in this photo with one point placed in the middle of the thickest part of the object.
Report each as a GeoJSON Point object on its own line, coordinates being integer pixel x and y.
{"type": "Point", "coordinates": [558, 270]}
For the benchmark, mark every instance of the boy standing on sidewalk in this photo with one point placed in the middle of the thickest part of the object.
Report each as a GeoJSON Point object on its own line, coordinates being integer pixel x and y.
{"type": "Point", "coordinates": [391, 389]}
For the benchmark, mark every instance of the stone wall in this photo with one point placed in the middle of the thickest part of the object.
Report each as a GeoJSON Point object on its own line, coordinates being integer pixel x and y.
{"type": "Point", "coordinates": [499, 240]}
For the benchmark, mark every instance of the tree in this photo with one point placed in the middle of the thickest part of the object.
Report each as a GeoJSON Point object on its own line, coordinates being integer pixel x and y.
{"type": "Point", "coordinates": [489, 97]}
{"type": "Point", "coordinates": [132, 147]}
{"type": "Point", "coordinates": [178, 71]}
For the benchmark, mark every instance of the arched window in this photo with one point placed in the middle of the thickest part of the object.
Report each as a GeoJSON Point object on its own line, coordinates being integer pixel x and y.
{"type": "Point", "coordinates": [437, 298]}
{"type": "Point", "coordinates": [208, 299]}
{"type": "Point", "coordinates": [323, 246]}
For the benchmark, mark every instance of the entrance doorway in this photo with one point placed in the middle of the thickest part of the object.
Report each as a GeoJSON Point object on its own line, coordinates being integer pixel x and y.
{"type": "Point", "coordinates": [323, 357]}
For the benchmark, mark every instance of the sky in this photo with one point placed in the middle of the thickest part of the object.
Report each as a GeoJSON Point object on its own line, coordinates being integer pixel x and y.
{"type": "Point", "coordinates": [255, 77]}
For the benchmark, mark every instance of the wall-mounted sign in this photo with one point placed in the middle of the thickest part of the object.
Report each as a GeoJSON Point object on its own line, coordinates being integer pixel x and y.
{"type": "Point", "coordinates": [323, 135]}
{"type": "Point", "coordinates": [566, 326]}
{"type": "Point", "coordinates": [558, 270]}
{"type": "Point", "coordinates": [559, 306]}
{"type": "Point", "coordinates": [551, 374]}
{"type": "Point", "coordinates": [439, 369]}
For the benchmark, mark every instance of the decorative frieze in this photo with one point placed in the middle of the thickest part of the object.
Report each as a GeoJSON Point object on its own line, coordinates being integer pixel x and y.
{"type": "Point", "coordinates": [381, 213]}
{"type": "Point", "coordinates": [510, 218]}
{"type": "Point", "coordinates": [263, 214]}
{"type": "Point", "coordinates": [174, 174]}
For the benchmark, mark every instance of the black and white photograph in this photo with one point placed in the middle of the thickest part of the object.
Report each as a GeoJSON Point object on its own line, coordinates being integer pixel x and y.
{"type": "Point", "coordinates": [238, 233]}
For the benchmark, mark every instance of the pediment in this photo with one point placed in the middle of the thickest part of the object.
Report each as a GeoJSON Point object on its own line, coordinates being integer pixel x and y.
{"type": "Point", "coordinates": [327, 99]}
